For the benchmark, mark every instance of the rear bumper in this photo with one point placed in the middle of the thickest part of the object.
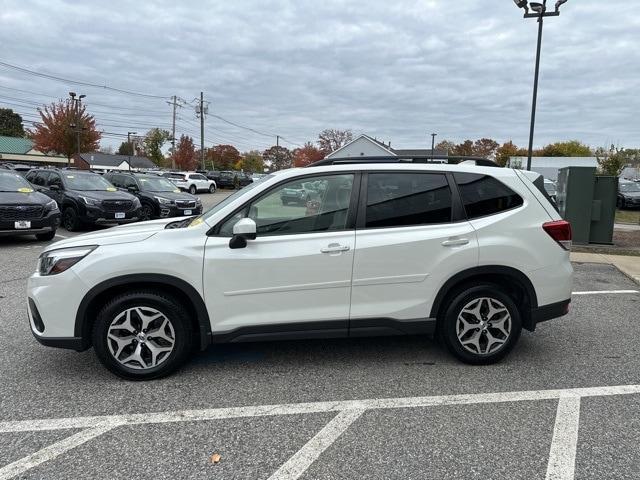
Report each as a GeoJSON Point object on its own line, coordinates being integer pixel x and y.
{"type": "Point", "coordinates": [547, 312]}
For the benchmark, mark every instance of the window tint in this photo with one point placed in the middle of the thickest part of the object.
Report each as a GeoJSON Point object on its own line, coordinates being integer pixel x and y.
{"type": "Point", "coordinates": [129, 182]}
{"type": "Point", "coordinates": [484, 195]}
{"type": "Point", "coordinates": [30, 176]}
{"type": "Point", "coordinates": [403, 199]}
{"type": "Point", "coordinates": [41, 178]}
{"type": "Point", "coordinates": [54, 179]}
{"type": "Point", "coordinates": [320, 204]}
{"type": "Point", "coordinates": [198, 177]}
{"type": "Point", "coordinates": [115, 179]}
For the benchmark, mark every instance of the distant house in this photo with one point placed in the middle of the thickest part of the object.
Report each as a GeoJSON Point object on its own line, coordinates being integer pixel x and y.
{"type": "Point", "coordinates": [20, 151]}
{"type": "Point", "coordinates": [106, 161]}
{"type": "Point", "coordinates": [548, 167]}
{"type": "Point", "coordinates": [366, 146]}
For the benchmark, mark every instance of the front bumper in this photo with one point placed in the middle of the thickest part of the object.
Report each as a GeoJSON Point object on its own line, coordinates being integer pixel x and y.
{"type": "Point", "coordinates": [38, 225]}
{"type": "Point", "coordinates": [99, 216]}
{"type": "Point", "coordinates": [167, 211]}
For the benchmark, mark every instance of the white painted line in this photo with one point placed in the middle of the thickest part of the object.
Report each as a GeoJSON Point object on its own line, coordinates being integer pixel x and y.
{"type": "Point", "coordinates": [604, 292]}
{"type": "Point", "coordinates": [61, 236]}
{"type": "Point", "coordinates": [562, 457]}
{"type": "Point", "coordinates": [309, 453]}
{"type": "Point", "coordinates": [52, 451]}
{"type": "Point", "coordinates": [312, 407]}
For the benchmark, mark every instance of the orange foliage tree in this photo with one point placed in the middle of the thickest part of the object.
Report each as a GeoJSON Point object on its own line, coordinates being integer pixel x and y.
{"type": "Point", "coordinates": [58, 131]}
{"type": "Point", "coordinates": [224, 157]}
{"type": "Point", "coordinates": [185, 156]}
{"type": "Point", "coordinates": [307, 155]}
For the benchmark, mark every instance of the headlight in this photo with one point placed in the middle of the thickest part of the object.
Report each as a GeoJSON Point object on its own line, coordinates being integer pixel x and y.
{"type": "Point", "coordinates": [164, 201]}
{"type": "Point", "coordinates": [57, 261]}
{"type": "Point", "coordinates": [198, 201]}
{"type": "Point", "coordinates": [51, 206]}
{"type": "Point", "coordinates": [136, 203]}
{"type": "Point", "coordinates": [91, 201]}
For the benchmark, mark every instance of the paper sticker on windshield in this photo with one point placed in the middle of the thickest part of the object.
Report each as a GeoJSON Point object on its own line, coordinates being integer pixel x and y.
{"type": "Point", "coordinates": [70, 176]}
{"type": "Point", "coordinates": [143, 180]}
{"type": "Point", "coordinates": [176, 191]}
{"type": "Point", "coordinates": [25, 190]}
{"type": "Point", "coordinates": [196, 222]}
{"type": "Point", "coordinates": [111, 189]}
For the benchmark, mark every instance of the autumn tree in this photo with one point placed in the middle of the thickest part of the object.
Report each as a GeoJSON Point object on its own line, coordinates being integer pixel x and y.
{"type": "Point", "coordinates": [572, 148]}
{"type": "Point", "coordinates": [278, 158]}
{"type": "Point", "coordinates": [223, 157]}
{"type": "Point", "coordinates": [464, 149]}
{"type": "Point", "coordinates": [58, 130]}
{"type": "Point", "coordinates": [307, 155]}
{"type": "Point", "coordinates": [505, 151]}
{"type": "Point", "coordinates": [10, 123]}
{"type": "Point", "coordinates": [330, 140]}
{"type": "Point", "coordinates": [185, 155]}
{"type": "Point", "coordinates": [152, 144]}
{"type": "Point", "coordinates": [485, 147]}
{"type": "Point", "coordinates": [446, 146]}
{"type": "Point", "coordinates": [252, 162]}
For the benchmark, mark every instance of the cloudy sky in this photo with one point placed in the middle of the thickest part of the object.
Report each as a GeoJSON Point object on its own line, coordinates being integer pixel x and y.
{"type": "Point", "coordinates": [395, 70]}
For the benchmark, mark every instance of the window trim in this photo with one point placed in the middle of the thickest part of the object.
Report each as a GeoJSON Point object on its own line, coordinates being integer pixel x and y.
{"type": "Point", "coordinates": [524, 200]}
{"type": "Point", "coordinates": [457, 215]}
{"type": "Point", "coordinates": [351, 212]}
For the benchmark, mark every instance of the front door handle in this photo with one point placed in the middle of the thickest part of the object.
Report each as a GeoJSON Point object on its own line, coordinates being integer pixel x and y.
{"type": "Point", "coordinates": [335, 248]}
{"type": "Point", "coordinates": [455, 242]}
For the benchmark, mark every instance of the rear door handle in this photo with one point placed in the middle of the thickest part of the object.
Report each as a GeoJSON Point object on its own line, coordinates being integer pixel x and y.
{"type": "Point", "coordinates": [454, 242]}
{"type": "Point", "coordinates": [334, 248]}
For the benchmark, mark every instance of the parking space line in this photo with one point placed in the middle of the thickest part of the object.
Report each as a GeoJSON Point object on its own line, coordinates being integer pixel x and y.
{"type": "Point", "coordinates": [293, 468]}
{"type": "Point", "coordinates": [52, 451]}
{"type": "Point", "coordinates": [562, 456]}
{"type": "Point", "coordinates": [604, 292]}
{"type": "Point", "coordinates": [61, 236]}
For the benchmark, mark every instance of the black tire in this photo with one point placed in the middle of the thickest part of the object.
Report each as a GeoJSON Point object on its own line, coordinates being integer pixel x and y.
{"type": "Point", "coordinates": [146, 212]}
{"type": "Point", "coordinates": [212, 189]}
{"type": "Point", "coordinates": [45, 237]}
{"type": "Point", "coordinates": [193, 190]}
{"type": "Point", "coordinates": [621, 204]}
{"type": "Point", "coordinates": [70, 220]}
{"type": "Point", "coordinates": [448, 325]}
{"type": "Point", "coordinates": [171, 308]}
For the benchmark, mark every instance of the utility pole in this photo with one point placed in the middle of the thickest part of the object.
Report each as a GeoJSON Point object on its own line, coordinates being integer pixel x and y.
{"type": "Point", "coordinates": [130, 146]}
{"type": "Point", "coordinates": [174, 102]}
{"type": "Point", "coordinates": [76, 103]}
{"type": "Point", "coordinates": [202, 112]}
{"type": "Point", "coordinates": [433, 142]}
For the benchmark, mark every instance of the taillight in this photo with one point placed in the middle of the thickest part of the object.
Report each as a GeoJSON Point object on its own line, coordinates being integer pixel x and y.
{"type": "Point", "coordinates": [560, 231]}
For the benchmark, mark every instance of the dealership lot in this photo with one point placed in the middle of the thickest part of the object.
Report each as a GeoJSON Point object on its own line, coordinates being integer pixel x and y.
{"type": "Point", "coordinates": [371, 408]}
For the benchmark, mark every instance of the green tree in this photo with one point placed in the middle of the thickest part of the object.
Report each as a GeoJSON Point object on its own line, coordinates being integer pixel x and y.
{"type": "Point", "coordinates": [612, 161]}
{"type": "Point", "coordinates": [152, 145]}
{"type": "Point", "coordinates": [572, 148]}
{"type": "Point", "coordinates": [253, 162]}
{"type": "Point", "coordinates": [505, 151]}
{"type": "Point", "coordinates": [125, 148]}
{"type": "Point", "coordinates": [10, 123]}
{"type": "Point", "coordinates": [278, 157]}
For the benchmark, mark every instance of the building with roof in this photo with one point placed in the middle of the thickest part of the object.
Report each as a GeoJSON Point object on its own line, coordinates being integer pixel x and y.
{"type": "Point", "coordinates": [20, 150]}
{"type": "Point", "coordinates": [548, 167]}
{"type": "Point", "coordinates": [366, 146]}
{"type": "Point", "coordinates": [107, 161]}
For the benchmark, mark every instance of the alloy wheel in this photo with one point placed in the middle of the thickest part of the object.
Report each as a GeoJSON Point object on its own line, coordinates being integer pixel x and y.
{"type": "Point", "coordinates": [483, 326]}
{"type": "Point", "coordinates": [141, 338]}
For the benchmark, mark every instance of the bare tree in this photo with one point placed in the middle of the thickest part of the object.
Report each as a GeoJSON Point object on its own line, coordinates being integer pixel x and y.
{"type": "Point", "coordinates": [331, 139]}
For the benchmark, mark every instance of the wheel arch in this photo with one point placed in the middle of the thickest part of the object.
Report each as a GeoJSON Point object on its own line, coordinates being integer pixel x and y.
{"type": "Point", "coordinates": [512, 280]}
{"type": "Point", "coordinates": [97, 296]}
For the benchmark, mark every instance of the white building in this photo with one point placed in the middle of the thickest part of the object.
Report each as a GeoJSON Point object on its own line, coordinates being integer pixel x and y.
{"type": "Point", "coordinates": [548, 167]}
{"type": "Point", "coordinates": [365, 146]}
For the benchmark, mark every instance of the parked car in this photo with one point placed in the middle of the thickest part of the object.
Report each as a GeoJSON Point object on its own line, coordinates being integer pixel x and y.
{"type": "Point", "coordinates": [469, 253]}
{"type": "Point", "coordinates": [191, 182]}
{"type": "Point", "coordinates": [24, 211]}
{"type": "Point", "coordinates": [628, 194]}
{"type": "Point", "coordinates": [159, 197]}
{"type": "Point", "coordinates": [85, 198]}
{"type": "Point", "coordinates": [300, 193]}
{"type": "Point", "coordinates": [229, 179]}
{"type": "Point", "coordinates": [550, 187]}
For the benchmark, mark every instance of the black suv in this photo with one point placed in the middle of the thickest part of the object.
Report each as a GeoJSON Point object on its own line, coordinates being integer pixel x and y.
{"type": "Point", "coordinates": [23, 211]}
{"type": "Point", "coordinates": [159, 197]}
{"type": "Point", "coordinates": [85, 198]}
{"type": "Point", "coordinates": [628, 194]}
{"type": "Point", "coordinates": [229, 179]}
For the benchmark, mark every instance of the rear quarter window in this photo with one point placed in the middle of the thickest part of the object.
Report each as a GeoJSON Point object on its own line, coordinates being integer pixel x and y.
{"type": "Point", "coordinates": [483, 195]}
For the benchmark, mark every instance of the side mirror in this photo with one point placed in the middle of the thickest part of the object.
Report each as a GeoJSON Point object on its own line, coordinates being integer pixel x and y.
{"type": "Point", "coordinates": [132, 189]}
{"type": "Point", "coordinates": [245, 229]}
{"type": "Point", "coordinates": [54, 188]}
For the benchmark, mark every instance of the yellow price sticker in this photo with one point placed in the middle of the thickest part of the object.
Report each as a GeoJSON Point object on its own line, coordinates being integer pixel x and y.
{"type": "Point", "coordinates": [111, 189]}
{"type": "Point", "coordinates": [196, 222]}
{"type": "Point", "coordinates": [25, 190]}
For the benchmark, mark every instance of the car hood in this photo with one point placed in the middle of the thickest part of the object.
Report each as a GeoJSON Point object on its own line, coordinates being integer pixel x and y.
{"type": "Point", "coordinates": [133, 232]}
{"type": "Point", "coordinates": [105, 195]}
{"type": "Point", "coordinates": [173, 195]}
{"type": "Point", "coordinates": [19, 198]}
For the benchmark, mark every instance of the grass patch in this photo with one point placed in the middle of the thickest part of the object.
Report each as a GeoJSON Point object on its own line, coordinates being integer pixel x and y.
{"type": "Point", "coordinates": [628, 216]}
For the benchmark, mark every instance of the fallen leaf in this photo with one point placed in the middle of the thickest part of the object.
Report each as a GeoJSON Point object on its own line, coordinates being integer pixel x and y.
{"type": "Point", "coordinates": [215, 458]}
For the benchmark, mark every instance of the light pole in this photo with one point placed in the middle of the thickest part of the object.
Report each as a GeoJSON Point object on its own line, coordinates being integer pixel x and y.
{"type": "Point", "coordinates": [130, 146]}
{"type": "Point", "coordinates": [540, 11]}
{"type": "Point", "coordinates": [433, 142]}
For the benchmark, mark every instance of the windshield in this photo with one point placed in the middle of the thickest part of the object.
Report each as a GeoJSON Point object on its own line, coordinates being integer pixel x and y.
{"type": "Point", "coordinates": [158, 184]}
{"type": "Point", "coordinates": [87, 182]}
{"type": "Point", "coordinates": [629, 187]}
{"type": "Point", "coordinates": [12, 182]}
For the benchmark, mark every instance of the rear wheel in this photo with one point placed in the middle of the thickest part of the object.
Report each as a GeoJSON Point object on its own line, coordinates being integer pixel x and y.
{"type": "Point", "coordinates": [70, 219]}
{"type": "Point", "coordinates": [45, 237]}
{"type": "Point", "coordinates": [621, 203]}
{"type": "Point", "coordinates": [142, 335]}
{"type": "Point", "coordinates": [193, 190]}
{"type": "Point", "coordinates": [212, 189]}
{"type": "Point", "coordinates": [481, 325]}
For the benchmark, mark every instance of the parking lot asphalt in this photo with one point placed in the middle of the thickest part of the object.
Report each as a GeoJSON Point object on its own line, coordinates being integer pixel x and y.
{"type": "Point", "coordinates": [397, 407]}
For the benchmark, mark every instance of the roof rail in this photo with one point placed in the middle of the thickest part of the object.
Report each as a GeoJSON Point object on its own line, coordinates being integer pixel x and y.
{"type": "Point", "coordinates": [455, 159]}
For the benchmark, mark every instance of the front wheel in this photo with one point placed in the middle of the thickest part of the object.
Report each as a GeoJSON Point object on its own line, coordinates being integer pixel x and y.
{"type": "Point", "coordinates": [142, 335]}
{"type": "Point", "coordinates": [45, 237]}
{"type": "Point", "coordinates": [481, 325]}
{"type": "Point", "coordinates": [620, 203]}
{"type": "Point", "coordinates": [70, 219]}
{"type": "Point", "coordinates": [146, 212]}
{"type": "Point", "coordinates": [212, 189]}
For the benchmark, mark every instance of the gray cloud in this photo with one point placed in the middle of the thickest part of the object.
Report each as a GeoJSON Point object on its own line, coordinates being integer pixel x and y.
{"type": "Point", "coordinates": [395, 70]}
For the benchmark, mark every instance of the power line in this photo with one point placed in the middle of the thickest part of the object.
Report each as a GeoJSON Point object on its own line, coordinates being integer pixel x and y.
{"type": "Point", "coordinates": [77, 82]}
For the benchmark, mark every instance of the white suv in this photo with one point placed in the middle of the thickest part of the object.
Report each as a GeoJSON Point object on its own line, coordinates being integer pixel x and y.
{"type": "Point", "coordinates": [472, 254]}
{"type": "Point", "coordinates": [192, 182]}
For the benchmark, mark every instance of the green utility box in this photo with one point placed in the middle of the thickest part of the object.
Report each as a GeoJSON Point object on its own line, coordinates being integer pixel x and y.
{"type": "Point", "coordinates": [587, 201]}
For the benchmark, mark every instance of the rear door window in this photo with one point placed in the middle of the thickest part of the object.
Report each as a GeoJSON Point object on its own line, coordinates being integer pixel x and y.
{"type": "Point", "coordinates": [406, 199]}
{"type": "Point", "coordinates": [54, 179]}
{"type": "Point", "coordinates": [41, 178]}
{"type": "Point", "coordinates": [483, 195]}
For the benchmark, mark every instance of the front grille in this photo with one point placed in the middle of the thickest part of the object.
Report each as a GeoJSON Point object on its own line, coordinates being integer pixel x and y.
{"type": "Point", "coordinates": [117, 205]}
{"type": "Point", "coordinates": [20, 212]}
{"type": "Point", "coordinates": [186, 203]}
